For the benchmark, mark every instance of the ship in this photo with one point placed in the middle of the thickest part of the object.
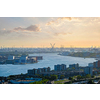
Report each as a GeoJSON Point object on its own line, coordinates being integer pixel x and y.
{"type": "Point", "coordinates": [66, 53]}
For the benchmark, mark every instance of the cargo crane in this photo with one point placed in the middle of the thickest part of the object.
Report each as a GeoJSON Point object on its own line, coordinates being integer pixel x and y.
{"type": "Point", "coordinates": [52, 47]}
{"type": "Point", "coordinates": [62, 48]}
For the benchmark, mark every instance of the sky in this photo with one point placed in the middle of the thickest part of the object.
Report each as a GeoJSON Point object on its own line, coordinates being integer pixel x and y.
{"type": "Point", "coordinates": [41, 31]}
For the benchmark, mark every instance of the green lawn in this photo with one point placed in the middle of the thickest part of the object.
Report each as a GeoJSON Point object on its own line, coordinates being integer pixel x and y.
{"type": "Point", "coordinates": [61, 81]}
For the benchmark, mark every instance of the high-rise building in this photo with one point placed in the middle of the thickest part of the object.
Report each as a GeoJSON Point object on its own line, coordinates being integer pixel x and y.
{"type": "Point", "coordinates": [88, 70]}
{"type": "Point", "coordinates": [38, 71]}
{"type": "Point", "coordinates": [60, 67]}
{"type": "Point", "coordinates": [96, 64]}
{"type": "Point", "coordinates": [76, 66]}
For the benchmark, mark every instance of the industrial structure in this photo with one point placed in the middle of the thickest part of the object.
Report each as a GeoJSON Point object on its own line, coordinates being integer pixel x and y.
{"type": "Point", "coordinates": [24, 59]}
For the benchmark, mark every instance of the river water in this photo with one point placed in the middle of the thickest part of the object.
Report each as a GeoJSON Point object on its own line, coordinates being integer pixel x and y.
{"type": "Point", "coordinates": [49, 60]}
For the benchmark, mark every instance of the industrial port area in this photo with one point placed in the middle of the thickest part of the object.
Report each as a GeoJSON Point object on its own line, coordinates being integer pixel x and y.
{"type": "Point", "coordinates": [51, 49]}
{"type": "Point", "coordinates": [23, 59]}
{"type": "Point", "coordinates": [20, 55]}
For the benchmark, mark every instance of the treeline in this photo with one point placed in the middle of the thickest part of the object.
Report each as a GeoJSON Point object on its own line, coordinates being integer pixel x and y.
{"type": "Point", "coordinates": [79, 78]}
{"type": "Point", "coordinates": [85, 54]}
{"type": "Point", "coordinates": [45, 79]}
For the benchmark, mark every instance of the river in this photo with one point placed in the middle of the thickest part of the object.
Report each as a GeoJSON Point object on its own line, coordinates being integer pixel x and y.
{"type": "Point", "coordinates": [49, 60]}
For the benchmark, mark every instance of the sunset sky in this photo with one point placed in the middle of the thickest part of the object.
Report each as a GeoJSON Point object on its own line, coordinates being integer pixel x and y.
{"type": "Point", "coordinates": [41, 31]}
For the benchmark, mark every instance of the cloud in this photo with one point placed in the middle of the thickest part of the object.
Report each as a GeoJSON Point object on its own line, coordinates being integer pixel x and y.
{"type": "Point", "coordinates": [31, 28]}
{"type": "Point", "coordinates": [57, 21]}
{"type": "Point", "coordinates": [65, 18]}
{"type": "Point", "coordinates": [51, 22]}
{"type": "Point", "coordinates": [62, 33]}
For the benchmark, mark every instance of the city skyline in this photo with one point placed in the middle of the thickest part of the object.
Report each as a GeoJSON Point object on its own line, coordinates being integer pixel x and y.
{"type": "Point", "coordinates": [41, 31]}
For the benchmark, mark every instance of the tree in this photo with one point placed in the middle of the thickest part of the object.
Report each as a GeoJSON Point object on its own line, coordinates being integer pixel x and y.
{"type": "Point", "coordinates": [21, 73]}
{"type": "Point", "coordinates": [73, 68]}
{"type": "Point", "coordinates": [82, 77]}
{"type": "Point", "coordinates": [91, 82]}
{"type": "Point", "coordinates": [98, 72]}
{"type": "Point", "coordinates": [28, 77]}
{"type": "Point", "coordinates": [93, 76]}
{"type": "Point", "coordinates": [70, 78]}
{"type": "Point", "coordinates": [81, 70]}
{"type": "Point", "coordinates": [40, 82]}
{"type": "Point", "coordinates": [62, 76]}
{"type": "Point", "coordinates": [74, 77]}
{"type": "Point", "coordinates": [37, 82]}
{"type": "Point", "coordinates": [68, 69]}
{"type": "Point", "coordinates": [88, 76]}
{"type": "Point", "coordinates": [54, 77]}
{"type": "Point", "coordinates": [79, 77]}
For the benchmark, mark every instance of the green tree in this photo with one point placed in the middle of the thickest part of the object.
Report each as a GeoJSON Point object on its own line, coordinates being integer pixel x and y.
{"type": "Point", "coordinates": [82, 77]}
{"type": "Point", "coordinates": [88, 76]}
{"type": "Point", "coordinates": [93, 76]}
{"type": "Point", "coordinates": [53, 77]}
{"type": "Point", "coordinates": [28, 77]}
{"type": "Point", "coordinates": [21, 73]}
{"type": "Point", "coordinates": [37, 82]}
{"type": "Point", "coordinates": [74, 77]}
{"type": "Point", "coordinates": [40, 82]}
{"type": "Point", "coordinates": [91, 82]}
{"type": "Point", "coordinates": [79, 77]}
{"type": "Point", "coordinates": [70, 78]}
{"type": "Point", "coordinates": [73, 68]}
{"type": "Point", "coordinates": [98, 72]}
{"type": "Point", "coordinates": [62, 76]}
{"type": "Point", "coordinates": [81, 70]}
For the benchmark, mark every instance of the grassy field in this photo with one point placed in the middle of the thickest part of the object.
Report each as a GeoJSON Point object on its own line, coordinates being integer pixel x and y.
{"type": "Point", "coordinates": [61, 81]}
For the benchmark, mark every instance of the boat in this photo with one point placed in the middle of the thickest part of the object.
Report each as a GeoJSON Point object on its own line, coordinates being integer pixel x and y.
{"type": "Point", "coordinates": [97, 58]}
{"type": "Point", "coordinates": [66, 53]}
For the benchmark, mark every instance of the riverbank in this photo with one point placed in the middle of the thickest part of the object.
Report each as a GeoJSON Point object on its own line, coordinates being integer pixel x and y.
{"type": "Point", "coordinates": [84, 55]}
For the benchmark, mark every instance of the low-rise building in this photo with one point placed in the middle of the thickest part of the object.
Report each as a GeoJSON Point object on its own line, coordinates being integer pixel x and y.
{"type": "Point", "coordinates": [31, 60]}
{"type": "Point", "coordinates": [10, 57]}
{"type": "Point", "coordinates": [16, 61]}
{"type": "Point", "coordinates": [23, 59]}
{"type": "Point", "coordinates": [9, 61]}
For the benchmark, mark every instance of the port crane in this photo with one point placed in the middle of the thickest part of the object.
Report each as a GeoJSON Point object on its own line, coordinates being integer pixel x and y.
{"type": "Point", "coordinates": [52, 46]}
